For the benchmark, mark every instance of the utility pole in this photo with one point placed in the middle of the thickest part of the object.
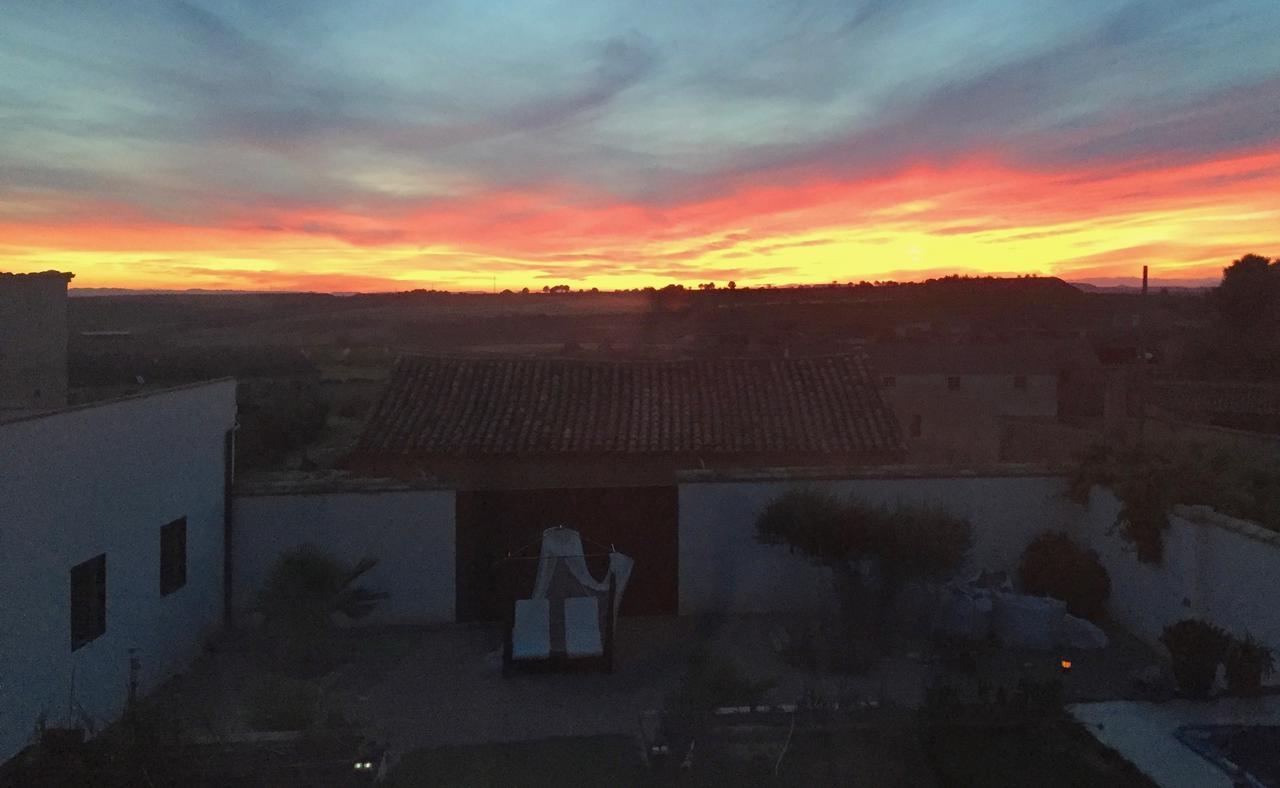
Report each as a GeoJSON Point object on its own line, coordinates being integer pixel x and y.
{"type": "Point", "coordinates": [1142, 361]}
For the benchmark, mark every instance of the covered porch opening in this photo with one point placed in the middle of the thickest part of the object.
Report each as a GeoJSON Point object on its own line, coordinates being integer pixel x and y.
{"type": "Point", "coordinates": [641, 522]}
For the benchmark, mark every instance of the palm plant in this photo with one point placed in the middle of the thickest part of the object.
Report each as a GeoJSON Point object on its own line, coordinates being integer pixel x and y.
{"type": "Point", "coordinates": [307, 588]}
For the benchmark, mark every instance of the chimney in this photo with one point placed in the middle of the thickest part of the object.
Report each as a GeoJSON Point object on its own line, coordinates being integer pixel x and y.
{"type": "Point", "coordinates": [33, 342]}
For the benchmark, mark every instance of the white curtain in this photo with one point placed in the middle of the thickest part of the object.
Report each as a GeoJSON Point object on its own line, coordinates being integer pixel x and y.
{"type": "Point", "coordinates": [563, 546]}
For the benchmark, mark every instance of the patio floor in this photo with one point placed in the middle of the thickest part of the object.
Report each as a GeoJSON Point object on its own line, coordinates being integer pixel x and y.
{"type": "Point", "coordinates": [1145, 733]}
{"type": "Point", "coordinates": [415, 688]}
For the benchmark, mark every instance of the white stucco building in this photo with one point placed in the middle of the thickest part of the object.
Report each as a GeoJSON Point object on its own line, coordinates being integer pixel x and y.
{"type": "Point", "coordinates": [112, 535]}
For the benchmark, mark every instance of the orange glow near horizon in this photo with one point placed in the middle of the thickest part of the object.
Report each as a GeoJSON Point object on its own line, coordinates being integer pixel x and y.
{"type": "Point", "coordinates": [975, 216]}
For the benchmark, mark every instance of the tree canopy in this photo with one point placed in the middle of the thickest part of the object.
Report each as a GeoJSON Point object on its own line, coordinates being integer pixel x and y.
{"type": "Point", "coordinates": [1248, 306]}
{"type": "Point", "coordinates": [912, 541]}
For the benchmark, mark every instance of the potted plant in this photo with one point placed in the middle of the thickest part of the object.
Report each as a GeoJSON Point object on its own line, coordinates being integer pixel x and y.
{"type": "Point", "coordinates": [1196, 648]}
{"type": "Point", "coordinates": [1248, 663]}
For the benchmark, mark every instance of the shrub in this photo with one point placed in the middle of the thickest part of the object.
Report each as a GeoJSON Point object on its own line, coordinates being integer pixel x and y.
{"type": "Point", "coordinates": [912, 541]}
{"type": "Point", "coordinates": [1149, 481]}
{"type": "Point", "coordinates": [304, 591]}
{"type": "Point", "coordinates": [1248, 663]}
{"type": "Point", "coordinates": [307, 586]}
{"type": "Point", "coordinates": [1053, 565]}
{"type": "Point", "coordinates": [277, 417]}
{"type": "Point", "coordinates": [712, 683]}
{"type": "Point", "coordinates": [905, 543]}
{"type": "Point", "coordinates": [1196, 648]}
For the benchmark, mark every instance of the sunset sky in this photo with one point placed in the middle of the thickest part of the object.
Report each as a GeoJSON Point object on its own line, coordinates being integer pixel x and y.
{"type": "Point", "coordinates": [309, 144]}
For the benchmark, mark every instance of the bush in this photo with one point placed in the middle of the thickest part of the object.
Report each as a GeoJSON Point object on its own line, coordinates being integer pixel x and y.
{"type": "Point", "coordinates": [1248, 663]}
{"type": "Point", "coordinates": [1055, 566]}
{"type": "Point", "coordinates": [307, 586]}
{"type": "Point", "coordinates": [712, 683]}
{"type": "Point", "coordinates": [304, 591]}
{"type": "Point", "coordinates": [1196, 648]}
{"type": "Point", "coordinates": [1149, 481]}
{"type": "Point", "coordinates": [276, 418]}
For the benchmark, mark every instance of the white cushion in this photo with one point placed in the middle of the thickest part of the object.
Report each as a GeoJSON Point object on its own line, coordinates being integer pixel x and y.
{"type": "Point", "coordinates": [531, 635]}
{"type": "Point", "coordinates": [582, 627]}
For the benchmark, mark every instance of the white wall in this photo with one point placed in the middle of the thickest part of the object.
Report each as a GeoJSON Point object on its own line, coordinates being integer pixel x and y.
{"type": "Point", "coordinates": [411, 533]}
{"type": "Point", "coordinates": [723, 569]}
{"type": "Point", "coordinates": [1214, 567]}
{"type": "Point", "coordinates": [103, 479]}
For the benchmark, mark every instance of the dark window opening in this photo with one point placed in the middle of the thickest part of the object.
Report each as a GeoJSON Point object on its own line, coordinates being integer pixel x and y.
{"type": "Point", "coordinates": [173, 556]}
{"type": "Point", "coordinates": [889, 381]}
{"type": "Point", "coordinates": [953, 383]}
{"type": "Point", "coordinates": [916, 426]}
{"type": "Point", "coordinates": [88, 600]}
{"type": "Point", "coordinates": [1019, 381]}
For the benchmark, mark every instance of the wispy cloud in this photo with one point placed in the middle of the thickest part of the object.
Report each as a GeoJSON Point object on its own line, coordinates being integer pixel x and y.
{"type": "Point", "coordinates": [623, 137]}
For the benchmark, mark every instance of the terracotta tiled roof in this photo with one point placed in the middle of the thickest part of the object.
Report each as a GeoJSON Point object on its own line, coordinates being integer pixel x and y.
{"type": "Point", "coordinates": [1208, 397]}
{"type": "Point", "coordinates": [762, 407]}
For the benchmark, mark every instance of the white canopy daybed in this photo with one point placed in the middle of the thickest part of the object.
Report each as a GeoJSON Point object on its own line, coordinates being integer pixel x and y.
{"type": "Point", "coordinates": [568, 621]}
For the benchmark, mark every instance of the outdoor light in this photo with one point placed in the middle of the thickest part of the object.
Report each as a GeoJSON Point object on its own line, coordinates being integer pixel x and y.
{"type": "Point", "coordinates": [361, 765]}
{"type": "Point", "coordinates": [1066, 666]}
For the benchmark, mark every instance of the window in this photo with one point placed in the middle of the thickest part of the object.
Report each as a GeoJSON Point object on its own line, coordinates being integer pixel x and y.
{"type": "Point", "coordinates": [889, 381]}
{"type": "Point", "coordinates": [88, 600]}
{"type": "Point", "coordinates": [916, 426]}
{"type": "Point", "coordinates": [953, 383]}
{"type": "Point", "coordinates": [173, 556]}
{"type": "Point", "coordinates": [1019, 381]}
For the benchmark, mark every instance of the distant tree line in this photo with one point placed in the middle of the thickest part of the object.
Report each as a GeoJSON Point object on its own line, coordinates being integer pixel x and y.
{"type": "Point", "coordinates": [91, 366]}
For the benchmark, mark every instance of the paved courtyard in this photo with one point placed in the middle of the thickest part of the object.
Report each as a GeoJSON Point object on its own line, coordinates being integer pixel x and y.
{"type": "Point", "coordinates": [415, 688]}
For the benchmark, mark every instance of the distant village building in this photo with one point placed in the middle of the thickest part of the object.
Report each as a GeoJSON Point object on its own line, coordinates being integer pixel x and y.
{"type": "Point", "coordinates": [532, 443]}
{"type": "Point", "coordinates": [1240, 405]}
{"type": "Point", "coordinates": [952, 399]}
{"type": "Point", "coordinates": [33, 342]}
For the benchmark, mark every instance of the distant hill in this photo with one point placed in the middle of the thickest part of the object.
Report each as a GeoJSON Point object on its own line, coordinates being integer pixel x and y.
{"type": "Point", "coordinates": [1133, 284]}
{"type": "Point", "coordinates": [124, 291]}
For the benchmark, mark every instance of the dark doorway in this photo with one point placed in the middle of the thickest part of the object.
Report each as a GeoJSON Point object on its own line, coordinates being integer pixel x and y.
{"type": "Point", "coordinates": [638, 521]}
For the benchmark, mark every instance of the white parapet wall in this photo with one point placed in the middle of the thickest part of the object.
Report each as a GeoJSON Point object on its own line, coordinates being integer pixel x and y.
{"type": "Point", "coordinates": [724, 570]}
{"type": "Point", "coordinates": [102, 480]}
{"type": "Point", "coordinates": [410, 532]}
{"type": "Point", "coordinates": [1215, 567]}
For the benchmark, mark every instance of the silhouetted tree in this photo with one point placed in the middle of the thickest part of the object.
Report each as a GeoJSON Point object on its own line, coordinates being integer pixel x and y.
{"type": "Point", "coordinates": [1249, 292]}
{"type": "Point", "coordinates": [1248, 306]}
{"type": "Point", "coordinates": [903, 543]}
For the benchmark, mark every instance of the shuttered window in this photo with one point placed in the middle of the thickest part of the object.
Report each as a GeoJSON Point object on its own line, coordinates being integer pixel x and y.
{"type": "Point", "coordinates": [173, 556]}
{"type": "Point", "coordinates": [88, 600]}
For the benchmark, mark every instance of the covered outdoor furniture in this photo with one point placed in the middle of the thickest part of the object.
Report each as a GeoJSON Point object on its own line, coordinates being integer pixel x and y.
{"type": "Point", "coordinates": [568, 622]}
{"type": "Point", "coordinates": [532, 630]}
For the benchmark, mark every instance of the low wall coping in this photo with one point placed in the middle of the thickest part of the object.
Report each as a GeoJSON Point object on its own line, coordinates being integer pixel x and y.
{"type": "Point", "coordinates": [1207, 515]}
{"type": "Point", "coordinates": [1002, 470]}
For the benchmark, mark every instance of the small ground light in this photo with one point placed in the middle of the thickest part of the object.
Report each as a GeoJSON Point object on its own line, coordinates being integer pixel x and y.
{"type": "Point", "coordinates": [363, 765]}
{"type": "Point", "coordinates": [1066, 666]}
